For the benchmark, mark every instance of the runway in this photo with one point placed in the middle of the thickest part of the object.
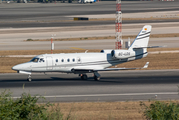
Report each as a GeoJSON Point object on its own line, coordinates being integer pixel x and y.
{"type": "Point", "coordinates": [113, 86]}
{"type": "Point", "coordinates": [75, 23]}
{"type": "Point", "coordinates": [84, 44]}
{"type": "Point", "coordinates": [44, 15]}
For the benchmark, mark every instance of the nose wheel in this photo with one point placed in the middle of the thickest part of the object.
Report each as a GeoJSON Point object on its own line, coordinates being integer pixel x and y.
{"type": "Point", "coordinates": [29, 78]}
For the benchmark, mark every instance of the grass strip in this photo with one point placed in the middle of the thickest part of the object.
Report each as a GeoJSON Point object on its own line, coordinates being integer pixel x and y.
{"type": "Point", "coordinates": [106, 37]}
{"type": "Point", "coordinates": [128, 110]}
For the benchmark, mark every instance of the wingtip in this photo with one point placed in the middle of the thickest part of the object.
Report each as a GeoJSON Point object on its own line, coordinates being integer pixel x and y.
{"type": "Point", "coordinates": [146, 65]}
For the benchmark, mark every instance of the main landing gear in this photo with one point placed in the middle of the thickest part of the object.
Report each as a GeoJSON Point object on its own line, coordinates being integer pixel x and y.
{"type": "Point", "coordinates": [29, 78]}
{"type": "Point", "coordinates": [96, 76]}
{"type": "Point", "coordinates": [85, 77]}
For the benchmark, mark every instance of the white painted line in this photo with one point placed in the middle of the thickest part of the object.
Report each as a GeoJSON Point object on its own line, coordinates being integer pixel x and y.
{"type": "Point", "coordinates": [20, 55]}
{"type": "Point", "coordinates": [158, 52]}
{"type": "Point", "coordinates": [105, 95]}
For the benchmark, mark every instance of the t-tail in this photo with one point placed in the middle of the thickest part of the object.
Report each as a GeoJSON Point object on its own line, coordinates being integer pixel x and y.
{"type": "Point", "coordinates": [142, 39]}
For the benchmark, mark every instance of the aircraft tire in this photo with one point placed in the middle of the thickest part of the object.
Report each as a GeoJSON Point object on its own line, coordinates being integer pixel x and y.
{"type": "Point", "coordinates": [84, 77]}
{"type": "Point", "coordinates": [29, 79]}
{"type": "Point", "coordinates": [96, 78]}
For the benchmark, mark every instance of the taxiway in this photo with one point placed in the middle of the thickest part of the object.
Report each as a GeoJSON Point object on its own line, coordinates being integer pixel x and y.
{"type": "Point", "coordinates": [113, 86]}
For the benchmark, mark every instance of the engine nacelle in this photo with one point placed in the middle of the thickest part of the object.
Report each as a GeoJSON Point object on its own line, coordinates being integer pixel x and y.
{"type": "Point", "coordinates": [106, 51]}
{"type": "Point", "coordinates": [121, 54]}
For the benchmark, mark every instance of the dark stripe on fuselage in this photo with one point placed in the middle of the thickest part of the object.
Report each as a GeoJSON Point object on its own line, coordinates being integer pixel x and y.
{"type": "Point", "coordinates": [143, 37]}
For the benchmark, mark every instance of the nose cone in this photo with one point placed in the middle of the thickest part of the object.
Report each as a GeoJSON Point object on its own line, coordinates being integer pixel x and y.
{"type": "Point", "coordinates": [17, 67]}
{"type": "Point", "coordinates": [24, 66]}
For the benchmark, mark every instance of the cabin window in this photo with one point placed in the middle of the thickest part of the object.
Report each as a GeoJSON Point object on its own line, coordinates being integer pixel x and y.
{"type": "Point", "coordinates": [68, 60]}
{"type": "Point", "coordinates": [35, 60]}
{"type": "Point", "coordinates": [56, 60]}
{"type": "Point", "coordinates": [73, 60]}
{"type": "Point", "coordinates": [62, 60]}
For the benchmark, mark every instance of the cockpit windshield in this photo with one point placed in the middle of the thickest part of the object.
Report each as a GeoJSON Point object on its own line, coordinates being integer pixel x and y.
{"type": "Point", "coordinates": [41, 60]}
{"type": "Point", "coordinates": [35, 60]}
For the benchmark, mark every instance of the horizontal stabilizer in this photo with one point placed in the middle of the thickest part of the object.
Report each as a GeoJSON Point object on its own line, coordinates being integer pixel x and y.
{"type": "Point", "coordinates": [148, 47]}
{"type": "Point", "coordinates": [146, 65]}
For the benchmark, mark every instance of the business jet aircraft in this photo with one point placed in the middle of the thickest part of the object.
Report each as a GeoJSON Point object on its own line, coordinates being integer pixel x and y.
{"type": "Point", "coordinates": [82, 63]}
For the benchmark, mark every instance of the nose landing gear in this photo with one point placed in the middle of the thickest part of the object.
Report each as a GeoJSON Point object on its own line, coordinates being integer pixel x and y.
{"type": "Point", "coordinates": [29, 78]}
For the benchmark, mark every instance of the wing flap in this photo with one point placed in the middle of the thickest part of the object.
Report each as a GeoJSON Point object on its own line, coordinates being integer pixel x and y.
{"type": "Point", "coordinates": [116, 69]}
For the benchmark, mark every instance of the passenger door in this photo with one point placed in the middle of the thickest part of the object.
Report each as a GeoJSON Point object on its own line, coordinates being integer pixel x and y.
{"type": "Point", "coordinates": [49, 63]}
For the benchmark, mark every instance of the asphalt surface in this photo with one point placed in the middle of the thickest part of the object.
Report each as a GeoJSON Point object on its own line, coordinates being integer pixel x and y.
{"type": "Point", "coordinates": [113, 86]}
{"type": "Point", "coordinates": [76, 23]}
{"type": "Point", "coordinates": [85, 44]}
{"type": "Point", "coordinates": [28, 15]}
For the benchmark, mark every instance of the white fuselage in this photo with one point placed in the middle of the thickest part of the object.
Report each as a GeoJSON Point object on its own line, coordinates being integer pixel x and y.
{"type": "Point", "coordinates": [67, 62]}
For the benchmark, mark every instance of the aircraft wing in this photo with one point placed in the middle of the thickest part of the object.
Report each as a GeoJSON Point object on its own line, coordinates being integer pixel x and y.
{"type": "Point", "coordinates": [107, 69]}
{"type": "Point", "coordinates": [116, 69]}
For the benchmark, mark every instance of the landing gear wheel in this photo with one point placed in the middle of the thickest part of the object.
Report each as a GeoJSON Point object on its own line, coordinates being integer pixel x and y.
{"type": "Point", "coordinates": [84, 77]}
{"type": "Point", "coordinates": [29, 78]}
{"type": "Point", "coordinates": [96, 78]}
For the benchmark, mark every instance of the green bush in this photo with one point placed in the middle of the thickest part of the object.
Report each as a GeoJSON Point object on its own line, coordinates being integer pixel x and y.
{"type": "Point", "coordinates": [25, 108]}
{"type": "Point", "coordinates": [29, 39]}
{"type": "Point", "coordinates": [161, 111]}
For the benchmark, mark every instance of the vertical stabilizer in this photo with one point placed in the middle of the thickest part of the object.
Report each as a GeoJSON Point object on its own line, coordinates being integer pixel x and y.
{"type": "Point", "coordinates": [142, 38]}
